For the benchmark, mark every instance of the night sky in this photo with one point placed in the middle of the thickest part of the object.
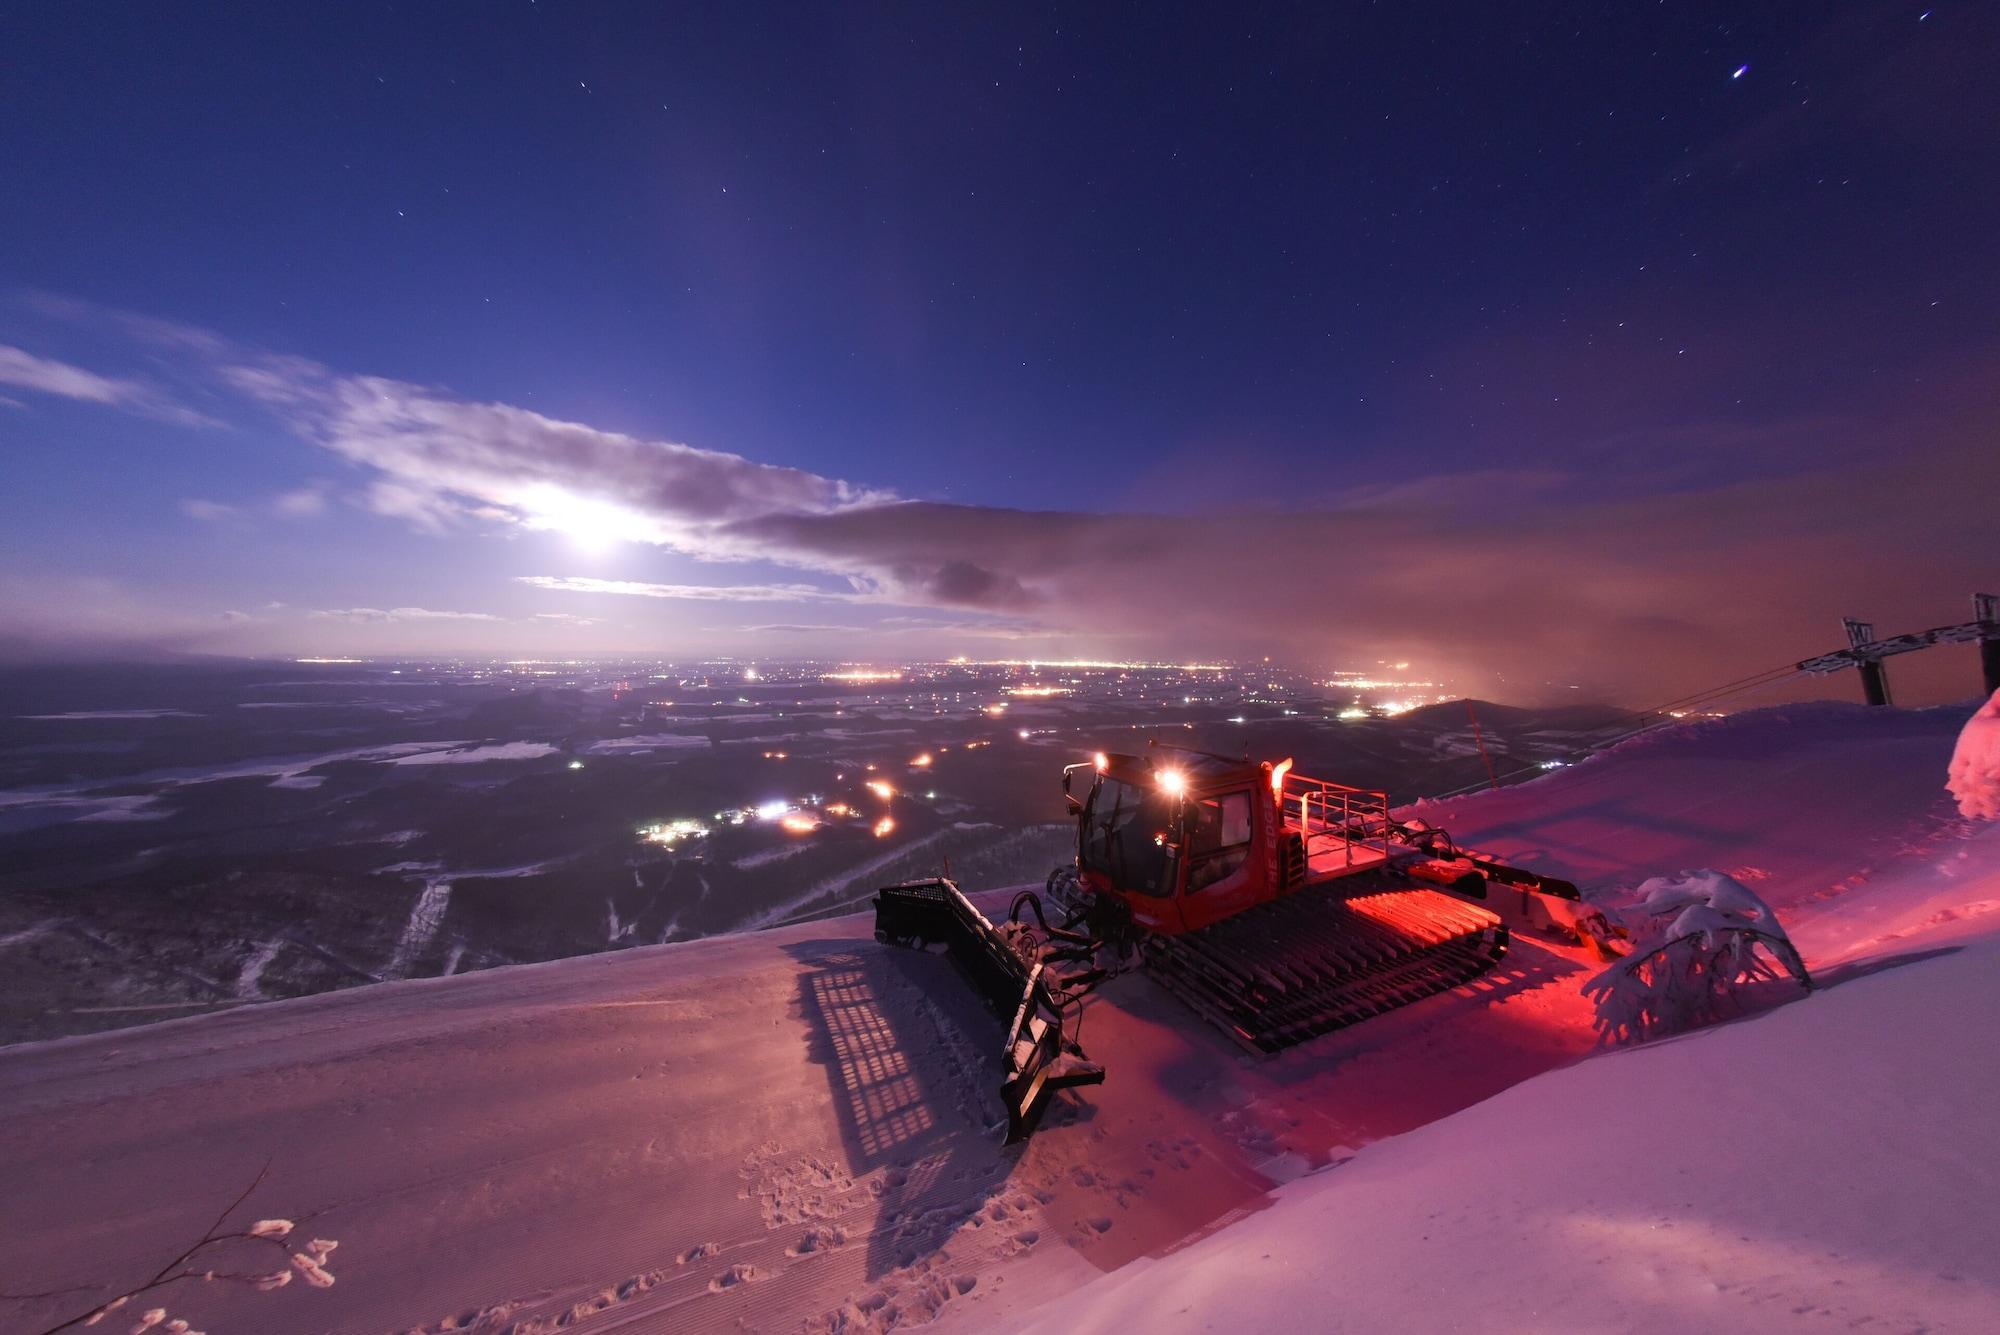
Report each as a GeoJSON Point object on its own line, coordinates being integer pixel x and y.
{"type": "Point", "coordinates": [1616, 346]}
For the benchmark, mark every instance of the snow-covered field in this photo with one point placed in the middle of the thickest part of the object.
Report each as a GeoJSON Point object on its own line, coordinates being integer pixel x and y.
{"type": "Point", "coordinates": [793, 1127]}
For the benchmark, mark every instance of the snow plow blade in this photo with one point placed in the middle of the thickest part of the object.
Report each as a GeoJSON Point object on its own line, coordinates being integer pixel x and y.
{"type": "Point", "coordinates": [1036, 1061]}
{"type": "Point", "coordinates": [1495, 870]}
{"type": "Point", "coordinates": [1318, 960]}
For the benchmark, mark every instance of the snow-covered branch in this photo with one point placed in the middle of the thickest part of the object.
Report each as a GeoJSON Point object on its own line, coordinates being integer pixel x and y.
{"type": "Point", "coordinates": [293, 1257]}
{"type": "Point", "coordinates": [1688, 971]}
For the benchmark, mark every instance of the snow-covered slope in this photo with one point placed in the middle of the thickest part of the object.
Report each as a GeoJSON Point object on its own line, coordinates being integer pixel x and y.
{"type": "Point", "coordinates": [1828, 1165]}
{"type": "Point", "coordinates": [792, 1127]}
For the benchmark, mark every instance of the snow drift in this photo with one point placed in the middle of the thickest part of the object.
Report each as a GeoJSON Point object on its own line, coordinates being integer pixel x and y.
{"type": "Point", "coordinates": [1974, 777]}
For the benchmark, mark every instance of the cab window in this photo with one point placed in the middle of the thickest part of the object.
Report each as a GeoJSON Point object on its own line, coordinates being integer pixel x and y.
{"type": "Point", "coordinates": [1218, 837]}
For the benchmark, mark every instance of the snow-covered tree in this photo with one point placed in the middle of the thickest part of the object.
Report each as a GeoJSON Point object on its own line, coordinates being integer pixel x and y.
{"type": "Point", "coordinates": [1974, 778]}
{"type": "Point", "coordinates": [1687, 971]}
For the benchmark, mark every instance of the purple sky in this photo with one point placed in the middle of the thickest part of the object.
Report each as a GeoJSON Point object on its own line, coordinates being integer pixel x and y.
{"type": "Point", "coordinates": [1536, 349]}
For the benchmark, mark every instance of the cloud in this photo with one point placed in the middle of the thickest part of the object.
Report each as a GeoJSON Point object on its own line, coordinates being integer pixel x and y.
{"type": "Point", "coordinates": [43, 375]}
{"type": "Point", "coordinates": [207, 511]}
{"type": "Point", "coordinates": [24, 370]}
{"type": "Point", "coordinates": [172, 335]}
{"type": "Point", "coordinates": [443, 462]}
{"type": "Point", "coordinates": [1534, 570]}
{"type": "Point", "coordinates": [799, 628]}
{"type": "Point", "coordinates": [1536, 576]}
{"type": "Point", "coordinates": [371, 615]}
{"type": "Point", "coordinates": [713, 593]}
{"type": "Point", "coordinates": [305, 501]}
{"type": "Point", "coordinates": [565, 618]}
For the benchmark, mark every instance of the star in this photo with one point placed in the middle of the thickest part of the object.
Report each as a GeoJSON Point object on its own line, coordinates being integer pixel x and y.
{"type": "Point", "coordinates": [1741, 70]}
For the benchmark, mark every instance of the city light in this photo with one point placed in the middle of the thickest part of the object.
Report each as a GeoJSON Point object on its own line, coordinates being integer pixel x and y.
{"type": "Point", "coordinates": [668, 833]}
{"type": "Point", "coordinates": [881, 789]}
{"type": "Point", "coordinates": [884, 826]}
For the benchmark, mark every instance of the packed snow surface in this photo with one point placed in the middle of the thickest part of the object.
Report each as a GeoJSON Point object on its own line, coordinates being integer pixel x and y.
{"type": "Point", "coordinates": [796, 1128]}
{"type": "Point", "coordinates": [1829, 1166]}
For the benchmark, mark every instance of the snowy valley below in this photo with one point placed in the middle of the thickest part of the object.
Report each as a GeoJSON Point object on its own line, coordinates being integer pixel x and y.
{"type": "Point", "coordinates": [795, 1128]}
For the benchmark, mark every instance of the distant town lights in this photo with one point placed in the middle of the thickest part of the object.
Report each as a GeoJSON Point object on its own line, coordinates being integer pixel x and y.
{"type": "Point", "coordinates": [668, 833]}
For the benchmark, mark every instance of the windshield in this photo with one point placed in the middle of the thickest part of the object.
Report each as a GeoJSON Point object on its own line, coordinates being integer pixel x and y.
{"type": "Point", "coordinates": [1124, 832]}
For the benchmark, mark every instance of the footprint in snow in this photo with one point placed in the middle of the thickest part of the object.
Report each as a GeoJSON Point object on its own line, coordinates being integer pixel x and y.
{"type": "Point", "coordinates": [817, 1240]}
{"type": "Point", "coordinates": [730, 1278]}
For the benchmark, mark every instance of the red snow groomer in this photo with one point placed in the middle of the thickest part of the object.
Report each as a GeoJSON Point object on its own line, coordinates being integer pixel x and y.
{"type": "Point", "coordinates": [1276, 906]}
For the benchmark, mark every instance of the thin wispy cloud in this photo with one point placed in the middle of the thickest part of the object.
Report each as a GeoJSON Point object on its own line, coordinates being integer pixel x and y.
{"type": "Point", "coordinates": [304, 502]}
{"type": "Point", "coordinates": [45, 375]}
{"type": "Point", "coordinates": [712, 593]}
{"type": "Point", "coordinates": [371, 615]}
